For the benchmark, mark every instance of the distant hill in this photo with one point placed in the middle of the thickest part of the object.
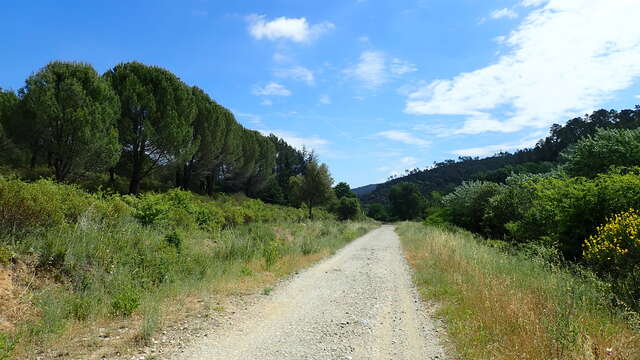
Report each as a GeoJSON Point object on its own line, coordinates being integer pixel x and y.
{"type": "Point", "coordinates": [546, 154]}
{"type": "Point", "coordinates": [364, 190]}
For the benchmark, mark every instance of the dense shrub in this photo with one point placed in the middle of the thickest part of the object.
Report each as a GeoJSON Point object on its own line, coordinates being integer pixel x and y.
{"type": "Point", "coordinates": [348, 208]}
{"type": "Point", "coordinates": [614, 251]}
{"type": "Point", "coordinates": [26, 207]}
{"type": "Point", "coordinates": [596, 154]}
{"type": "Point", "coordinates": [468, 203]}
{"type": "Point", "coordinates": [508, 206]}
{"type": "Point", "coordinates": [568, 210]}
{"type": "Point", "coordinates": [378, 212]}
{"type": "Point", "coordinates": [615, 248]}
{"type": "Point", "coordinates": [406, 202]}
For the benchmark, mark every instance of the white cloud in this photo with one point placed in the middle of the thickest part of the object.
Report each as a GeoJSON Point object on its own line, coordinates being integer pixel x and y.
{"type": "Point", "coordinates": [271, 89]}
{"type": "Point", "coordinates": [399, 166]}
{"type": "Point", "coordinates": [298, 142]}
{"type": "Point", "coordinates": [280, 58]}
{"type": "Point", "coordinates": [401, 67]}
{"type": "Point", "coordinates": [371, 70]}
{"type": "Point", "coordinates": [504, 13]}
{"type": "Point", "coordinates": [251, 118]}
{"type": "Point", "coordinates": [403, 137]}
{"type": "Point", "coordinates": [488, 150]}
{"type": "Point", "coordinates": [637, 96]}
{"type": "Point", "coordinates": [294, 29]}
{"type": "Point", "coordinates": [528, 3]}
{"type": "Point", "coordinates": [266, 102]}
{"type": "Point", "coordinates": [297, 73]}
{"type": "Point", "coordinates": [325, 99]}
{"type": "Point", "coordinates": [561, 62]}
{"type": "Point", "coordinates": [374, 69]}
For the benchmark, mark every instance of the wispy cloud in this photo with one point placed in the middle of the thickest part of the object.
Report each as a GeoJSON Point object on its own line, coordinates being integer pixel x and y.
{"type": "Point", "coordinates": [271, 89]}
{"type": "Point", "coordinates": [403, 137]}
{"type": "Point", "coordinates": [312, 142]}
{"type": "Point", "coordinates": [325, 99]}
{"type": "Point", "coordinates": [300, 73]}
{"type": "Point", "coordinates": [559, 63]}
{"type": "Point", "coordinates": [293, 29]}
{"type": "Point", "coordinates": [487, 150]}
{"type": "Point", "coordinates": [374, 68]}
{"type": "Point", "coordinates": [253, 119]}
{"type": "Point", "coordinates": [401, 67]}
{"type": "Point", "coordinates": [399, 166]}
{"type": "Point", "coordinates": [504, 13]}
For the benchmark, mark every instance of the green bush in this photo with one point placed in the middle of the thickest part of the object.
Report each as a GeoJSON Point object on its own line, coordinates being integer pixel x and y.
{"type": "Point", "coordinates": [568, 210]}
{"type": "Point", "coordinates": [28, 207]}
{"type": "Point", "coordinates": [125, 302]}
{"type": "Point", "coordinates": [348, 208]}
{"type": "Point", "coordinates": [468, 203]}
{"type": "Point", "coordinates": [597, 154]}
{"type": "Point", "coordinates": [7, 345]}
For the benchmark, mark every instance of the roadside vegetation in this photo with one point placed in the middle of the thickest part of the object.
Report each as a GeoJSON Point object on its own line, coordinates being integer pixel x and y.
{"type": "Point", "coordinates": [80, 257]}
{"type": "Point", "coordinates": [502, 303]}
{"type": "Point", "coordinates": [122, 191]}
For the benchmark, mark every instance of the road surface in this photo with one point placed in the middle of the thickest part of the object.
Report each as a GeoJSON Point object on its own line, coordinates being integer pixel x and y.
{"type": "Point", "coordinates": [358, 304]}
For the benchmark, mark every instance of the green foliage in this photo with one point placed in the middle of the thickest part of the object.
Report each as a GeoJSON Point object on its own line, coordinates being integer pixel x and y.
{"type": "Point", "coordinates": [348, 208]}
{"type": "Point", "coordinates": [314, 187]}
{"type": "Point", "coordinates": [438, 216]}
{"type": "Point", "coordinates": [271, 253]}
{"type": "Point", "coordinates": [155, 124]}
{"type": "Point", "coordinates": [568, 210]}
{"type": "Point", "coordinates": [27, 207]}
{"type": "Point", "coordinates": [75, 112]}
{"type": "Point", "coordinates": [614, 251]}
{"type": "Point", "coordinates": [174, 239]}
{"type": "Point", "coordinates": [508, 206]}
{"type": "Point", "coordinates": [607, 148]}
{"type": "Point", "coordinates": [444, 176]}
{"type": "Point", "coordinates": [406, 202]}
{"type": "Point", "coordinates": [6, 255]}
{"type": "Point", "coordinates": [378, 212]}
{"type": "Point", "coordinates": [125, 302]}
{"type": "Point", "coordinates": [342, 189]}
{"type": "Point", "coordinates": [7, 345]}
{"type": "Point", "coordinates": [468, 203]}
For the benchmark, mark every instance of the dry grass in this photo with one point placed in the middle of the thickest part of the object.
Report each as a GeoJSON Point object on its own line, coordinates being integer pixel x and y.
{"type": "Point", "coordinates": [190, 298]}
{"type": "Point", "coordinates": [499, 306]}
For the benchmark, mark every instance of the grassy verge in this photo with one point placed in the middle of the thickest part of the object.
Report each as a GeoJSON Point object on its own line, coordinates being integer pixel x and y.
{"type": "Point", "coordinates": [239, 260]}
{"type": "Point", "coordinates": [515, 306]}
{"type": "Point", "coordinates": [70, 259]}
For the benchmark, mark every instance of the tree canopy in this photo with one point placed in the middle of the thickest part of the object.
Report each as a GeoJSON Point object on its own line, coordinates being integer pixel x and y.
{"type": "Point", "coordinates": [314, 187]}
{"type": "Point", "coordinates": [75, 112]}
{"type": "Point", "coordinates": [155, 123]}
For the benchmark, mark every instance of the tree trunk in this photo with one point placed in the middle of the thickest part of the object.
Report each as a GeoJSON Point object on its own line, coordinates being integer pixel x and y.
{"type": "Point", "coordinates": [136, 177]}
{"type": "Point", "coordinates": [112, 175]}
{"type": "Point", "coordinates": [310, 212]}
{"type": "Point", "coordinates": [209, 185]}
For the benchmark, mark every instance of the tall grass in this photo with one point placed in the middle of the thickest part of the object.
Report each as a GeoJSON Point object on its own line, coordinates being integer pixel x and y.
{"type": "Point", "coordinates": [515, 306]}
{"type": "Point", "coordinates": [112, 257]}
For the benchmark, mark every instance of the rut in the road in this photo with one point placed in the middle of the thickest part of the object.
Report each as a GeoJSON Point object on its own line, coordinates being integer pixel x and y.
{"type": "Point", "coordinates": [358, 304]}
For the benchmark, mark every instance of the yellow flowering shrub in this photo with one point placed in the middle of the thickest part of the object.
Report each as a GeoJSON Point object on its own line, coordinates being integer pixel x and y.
{"type": "Point", "coordinates": [615, 248]}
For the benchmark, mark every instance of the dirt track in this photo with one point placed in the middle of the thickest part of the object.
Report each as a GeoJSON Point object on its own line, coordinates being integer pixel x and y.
{"type": "Point", "coordinates": [357, 304]}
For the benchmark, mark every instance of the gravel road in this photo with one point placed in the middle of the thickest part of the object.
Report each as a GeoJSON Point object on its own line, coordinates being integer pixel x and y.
{"type": "Point", "coordinates": [357, 304]}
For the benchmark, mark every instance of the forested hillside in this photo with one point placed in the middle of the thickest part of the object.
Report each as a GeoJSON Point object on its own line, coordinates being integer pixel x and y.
{"type": "Point", "coordinates": [446, 175]}
{"type": "Point", "coordinates": [137, 127]}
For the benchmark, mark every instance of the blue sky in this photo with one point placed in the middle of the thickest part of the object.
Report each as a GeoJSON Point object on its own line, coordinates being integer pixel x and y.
{"type": "Point", "coordinates": [373, 86]}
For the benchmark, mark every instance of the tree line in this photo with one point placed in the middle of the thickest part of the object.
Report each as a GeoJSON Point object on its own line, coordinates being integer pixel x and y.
{"type": "Point", "coordinates": [579, 205]}
{"type": "Point", "coordinates": [143, 125]}
{"type": "Point", "coordinates": [444, 176]}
